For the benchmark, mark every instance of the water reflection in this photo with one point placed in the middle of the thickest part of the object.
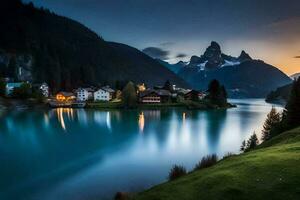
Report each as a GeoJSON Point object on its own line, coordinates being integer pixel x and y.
{"type": "Point", "coordinates": [141, 121]}
{"type": "Point", "coordinates": [102, 142]}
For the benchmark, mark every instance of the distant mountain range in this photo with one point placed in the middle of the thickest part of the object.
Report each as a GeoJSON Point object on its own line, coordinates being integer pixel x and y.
{"type": "Point", "coordinates": [242, 75]}
{"type": "Point", "coordinates": [38, 45]}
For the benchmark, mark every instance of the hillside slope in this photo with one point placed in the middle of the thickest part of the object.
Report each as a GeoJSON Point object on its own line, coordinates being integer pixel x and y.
{"type": "Point", "coordinates": [270, 172]}
{"type": "Point", "coordinates": [281, 94]}
{"type": "Point", "coordinates": [38, 45]}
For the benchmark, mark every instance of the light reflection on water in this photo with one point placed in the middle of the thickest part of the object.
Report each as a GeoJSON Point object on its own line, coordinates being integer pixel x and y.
{"type": "Point", "coordinates": [105, 152]}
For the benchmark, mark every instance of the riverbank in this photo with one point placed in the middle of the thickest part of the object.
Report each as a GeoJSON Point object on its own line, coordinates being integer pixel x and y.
{"type": "Point", "coordinates": [269, 172]}
{"type": "Point", "coordinates": [6, 103]}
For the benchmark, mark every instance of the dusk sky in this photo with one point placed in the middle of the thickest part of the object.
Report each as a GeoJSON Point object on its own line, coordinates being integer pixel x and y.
{"type": "Point", "coordinates": [266, 29]}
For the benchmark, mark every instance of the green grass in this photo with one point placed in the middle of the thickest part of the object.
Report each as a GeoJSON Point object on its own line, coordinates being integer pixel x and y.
{"type": "Point", "coordinates": [272, 171]}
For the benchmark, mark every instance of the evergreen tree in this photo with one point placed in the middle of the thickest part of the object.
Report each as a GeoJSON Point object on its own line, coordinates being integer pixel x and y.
{"type": "Point", "coordinates": [272, 121]}
{"type": "Point", "coordinates": [2, 87]}
{"type": "Point", "coordinates": [23, 92]}
{"type": "Point", "coordinates": [243, 146]}
{"type": "Point", "coordinates": [217, 93]}
{"type": "Point", "coordinates": [168, 86]}
{"type": "Point", "coordinates": [292, 109]}
{"type": "Point", "coordinates": [12, 68]}
{"type": "Point", "coordinates": [129, 97]}
{"type": "Point", "coordinates": [252, 142]}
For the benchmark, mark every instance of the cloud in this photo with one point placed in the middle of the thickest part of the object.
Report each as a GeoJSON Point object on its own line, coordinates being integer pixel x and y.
{"type": "Point", "coordinates": [164, 44]}
{"type": "Point", "coordinates": [181, 55]}
{"type": "Point", "coordinates": [157, 53]}
{"type": "Point", "coordinates": [296, 56]}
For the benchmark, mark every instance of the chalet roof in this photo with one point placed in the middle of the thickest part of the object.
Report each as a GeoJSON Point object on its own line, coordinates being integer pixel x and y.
{"type": "Point", "coordinates": [66, 94]}
{"type": "Point", "coordinates": [147, 92]}
{"type": "Point", "coordinates": [195, 92]}
{"type": "Point", "coordinates": [108, 89]}
{"type": "Point", "coordinates": [157, 92]}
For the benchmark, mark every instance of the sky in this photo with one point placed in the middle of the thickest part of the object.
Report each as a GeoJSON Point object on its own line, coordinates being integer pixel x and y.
{"type": "Point", "coordinates": [175, 30]}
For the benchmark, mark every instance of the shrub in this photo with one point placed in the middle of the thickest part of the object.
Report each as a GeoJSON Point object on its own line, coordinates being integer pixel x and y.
{"type": "Point", "coordinates": [228, 155]}
{"type": "Point", "coordinates": [207, 161]}
{"type": "Point", "coordinates": [176, 172]}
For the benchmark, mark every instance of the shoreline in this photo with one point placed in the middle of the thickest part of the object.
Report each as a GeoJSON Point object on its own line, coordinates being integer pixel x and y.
{"type": "Point", "coordinates": [10, 104]}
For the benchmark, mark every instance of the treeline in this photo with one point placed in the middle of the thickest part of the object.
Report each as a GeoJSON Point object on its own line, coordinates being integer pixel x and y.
{"type": "Point", "coordinates": [277, 122]}
{"type": "Point", "coordinates": [66, 54]}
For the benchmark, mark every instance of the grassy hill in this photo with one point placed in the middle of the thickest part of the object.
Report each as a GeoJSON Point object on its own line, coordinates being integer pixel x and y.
{"type": "Point", "coordinates": [272, 171]}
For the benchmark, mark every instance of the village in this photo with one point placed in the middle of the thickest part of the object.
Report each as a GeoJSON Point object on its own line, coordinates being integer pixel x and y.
{"type": "Point", "coordinates": [81, 97]}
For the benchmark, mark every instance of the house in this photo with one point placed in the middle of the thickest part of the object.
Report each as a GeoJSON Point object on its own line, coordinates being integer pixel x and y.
{"type": "Point", "coordinates": [65, 96]}
{"type": "Point", "coordinates": [82, 94]}
{"type": "Point", "coordinates": [43, 88]}
{"type": "Point", "coordinates": [110, 91]}
{"type": "Point", "coordinates": [194, 95]}
{"type": "Point", "coordinates": [165, 95]}
{"type": "Point", "coordinates": [11, 86]}
{"type": "Point", "coordinates": [102, 95]}
{"type": "Point", "coordinates": [149, 96]}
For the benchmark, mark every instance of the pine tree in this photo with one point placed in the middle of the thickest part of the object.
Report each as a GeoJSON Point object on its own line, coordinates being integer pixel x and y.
{"type": "Point", "coordinates": [12, 68]}
{"type": "Point", "coordinates": [292, 109]}
{"type": "Point", "coordinates": [243, 146]}
{"type": "Point", "coordinates": [129, 97]}
{"type": "Point", "coordinates": [217, 93]}
{"type": "Point", "coordinates": [252, 142]}
{"type": "Point", "coordinates": [273, 119]}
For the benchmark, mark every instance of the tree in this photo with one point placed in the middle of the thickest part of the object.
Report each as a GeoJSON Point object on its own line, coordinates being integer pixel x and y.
{"type": "Point", "coordinates": [251, 143]}
{"type": "Point", "coordinates": [23, 92]}
{"type": "Point", "coordinates": [243, 146]}
{"type": "Point", "coordinates": [292, 109]}
{"type": "Point", "coordinates": [217, 93]}
{"type": "Point", "coordinates": [168, 86]}
{"type": "Point", "coordinates": [129, 97]}
{"type": "Point", "coordinates": [272, 121]}
{"type": "Point", "coordinates": [2, 88]}
{"type": "Point", "coordinates": [12, 68]}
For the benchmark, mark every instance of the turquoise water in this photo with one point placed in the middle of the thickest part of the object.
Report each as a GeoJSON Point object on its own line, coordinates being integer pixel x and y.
{"type": "Point", "coordinates": [89, 154]}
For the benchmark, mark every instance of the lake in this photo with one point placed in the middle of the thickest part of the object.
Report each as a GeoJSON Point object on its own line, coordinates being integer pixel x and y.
{"type": "Point", "coordinates": [76, 154]}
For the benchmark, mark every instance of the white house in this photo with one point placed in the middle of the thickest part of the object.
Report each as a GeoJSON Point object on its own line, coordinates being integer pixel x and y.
{"type": "Point", "coordinates": [11, 86]}
{"type": "Point", "coordinates": [43, 88]}
{"type": "Point", "coordinates": [102, 95]}
{"type": "Point", "coordinates": [110, 91]}
{"type": "Point", "coordinates": [82, 94]}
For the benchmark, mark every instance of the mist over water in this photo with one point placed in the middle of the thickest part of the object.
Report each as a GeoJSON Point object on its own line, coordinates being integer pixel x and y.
{"type": "Point", "coordinates": [87, 154]}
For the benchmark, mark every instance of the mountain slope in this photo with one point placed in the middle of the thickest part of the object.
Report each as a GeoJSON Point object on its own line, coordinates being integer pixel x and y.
{"type": "Point", "coordinates": [281, 94]}
{"type": "Point", "coordinates": [270, 172]}
{"type": "Point", "coordinates": [242, 76]}
{"type": "Point", "coordinates": [38, 45]}
{"type": "Point", "coordinates": [173, 67]}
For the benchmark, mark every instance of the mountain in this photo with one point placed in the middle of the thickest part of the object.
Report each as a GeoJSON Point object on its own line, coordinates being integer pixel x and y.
{"type": "Point", "coordinates": [281, 94]}
{"type": "Point", "coordinates": [295, 76]}
{"type": "Point", "coordinates": [173, 67]}
{"type": "Point", "coordinates": [38, 45]}
{"type": "Point", "coordinates": [242, 75]}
